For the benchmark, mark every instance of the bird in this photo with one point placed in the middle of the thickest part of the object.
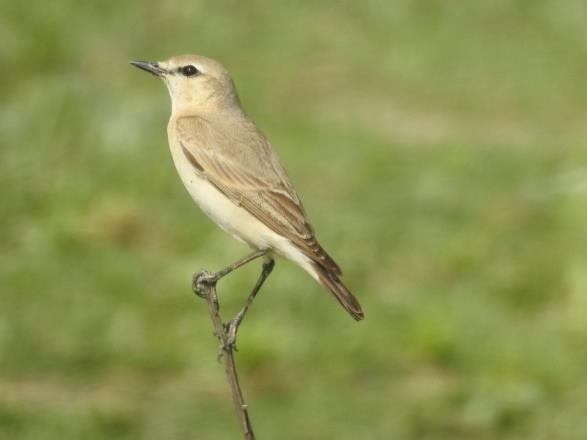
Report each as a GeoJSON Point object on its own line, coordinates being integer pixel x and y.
{"type": "Point", "coordinates": [232, 172]}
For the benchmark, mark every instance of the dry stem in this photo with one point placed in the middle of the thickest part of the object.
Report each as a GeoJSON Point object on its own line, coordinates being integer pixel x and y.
{"type": "Point", "coordinates": [204, 285]}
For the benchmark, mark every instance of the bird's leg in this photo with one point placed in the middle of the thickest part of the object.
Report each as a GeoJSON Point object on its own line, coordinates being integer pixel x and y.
{"type": "Point", "coordinates": [233, 325]}
{"type": "Point", "coordinates": [239, 263]}
{"type": "Point", "coordinates": [209, 278]}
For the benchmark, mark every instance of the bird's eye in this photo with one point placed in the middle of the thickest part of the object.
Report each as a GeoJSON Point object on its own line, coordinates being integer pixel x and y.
{"type": "Point", "coordinates": [189, 70]}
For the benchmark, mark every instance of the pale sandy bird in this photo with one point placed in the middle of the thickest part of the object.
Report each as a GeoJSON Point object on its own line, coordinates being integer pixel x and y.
{"type": "Point", "coordinates": [232, 172]}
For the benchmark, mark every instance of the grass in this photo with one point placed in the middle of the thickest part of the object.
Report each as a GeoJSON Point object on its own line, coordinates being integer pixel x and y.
{"type": "Point", "coordinates": [440, 152]}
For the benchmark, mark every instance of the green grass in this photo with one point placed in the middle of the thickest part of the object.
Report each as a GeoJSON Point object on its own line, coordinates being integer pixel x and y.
{"type": "Point", "coordinates": [440, 151]}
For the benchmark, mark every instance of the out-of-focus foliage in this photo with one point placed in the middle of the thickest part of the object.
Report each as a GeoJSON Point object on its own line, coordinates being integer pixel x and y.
{"type": "Point", "coordinates": [439, 147]}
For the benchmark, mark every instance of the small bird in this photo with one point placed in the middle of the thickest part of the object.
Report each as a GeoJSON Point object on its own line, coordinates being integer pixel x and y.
{"type": "Point", "coordinates": [232, 172]}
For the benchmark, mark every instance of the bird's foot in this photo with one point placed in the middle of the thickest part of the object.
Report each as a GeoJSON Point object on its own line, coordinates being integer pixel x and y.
{"type": "Point", "coordinates": [201, 281]}
{"type": "Point", "coordinates": [230, 327]}
{"type": "Point", "coordinates": [230, 344]}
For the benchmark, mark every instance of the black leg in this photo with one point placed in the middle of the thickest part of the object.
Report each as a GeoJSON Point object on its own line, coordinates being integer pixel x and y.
{"type": "Point", "coordinates": [239, 263]}
{"type": "Point", "coordinates": [233, 325]}
{"type": "Point", "coordinates": [212, 278]}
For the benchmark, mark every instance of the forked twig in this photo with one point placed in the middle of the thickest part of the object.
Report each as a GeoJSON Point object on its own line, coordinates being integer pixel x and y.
{"type": "Point", "coordinates": [204, 285]}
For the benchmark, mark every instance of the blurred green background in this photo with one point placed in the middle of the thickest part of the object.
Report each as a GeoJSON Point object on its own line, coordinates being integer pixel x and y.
{"type": "Point", "coordinates": [440, 149]}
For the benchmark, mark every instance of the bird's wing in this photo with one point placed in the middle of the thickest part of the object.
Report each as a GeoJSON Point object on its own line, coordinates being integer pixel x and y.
{"type": "Point", "coordinates": [238, 160]}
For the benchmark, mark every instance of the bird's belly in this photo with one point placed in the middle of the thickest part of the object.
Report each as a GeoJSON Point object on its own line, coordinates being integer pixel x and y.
{"type": "Point", "coordinates": [232, 218]}
{"type": "Point", "coordinates": [226, 214]}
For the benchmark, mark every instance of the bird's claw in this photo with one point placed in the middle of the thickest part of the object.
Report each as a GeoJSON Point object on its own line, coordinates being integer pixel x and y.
{"type": "Point", "coordinates": [202, 280]}
{"type": "Point", "coordinates": [230, 328]}
{"type": "Point", "coordinates": [227, 347]}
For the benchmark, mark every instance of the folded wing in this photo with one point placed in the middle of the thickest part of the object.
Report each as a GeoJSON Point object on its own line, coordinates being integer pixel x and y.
{"type": "Point", "coordinates": [243, 167]}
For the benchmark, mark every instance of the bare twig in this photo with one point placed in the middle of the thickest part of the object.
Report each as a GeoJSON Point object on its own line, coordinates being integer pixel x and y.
{"type": "Point", "coordinates": [204, 285]}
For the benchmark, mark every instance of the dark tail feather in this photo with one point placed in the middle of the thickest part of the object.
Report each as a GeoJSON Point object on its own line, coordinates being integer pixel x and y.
{"type": "Point", "coordinates": [340, 292]}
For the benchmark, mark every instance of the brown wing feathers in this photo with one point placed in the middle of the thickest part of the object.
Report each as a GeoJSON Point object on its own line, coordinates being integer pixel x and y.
{"type": "Point", "coordinates": [273, 201]}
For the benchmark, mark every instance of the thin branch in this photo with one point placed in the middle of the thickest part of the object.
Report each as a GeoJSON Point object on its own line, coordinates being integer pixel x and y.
{"type": "Point", "coordinates": [204, 285]}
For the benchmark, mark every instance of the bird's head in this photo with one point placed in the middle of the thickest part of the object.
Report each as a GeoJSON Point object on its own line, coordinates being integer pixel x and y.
{"type": "Point", "coordinates": [196, 84]}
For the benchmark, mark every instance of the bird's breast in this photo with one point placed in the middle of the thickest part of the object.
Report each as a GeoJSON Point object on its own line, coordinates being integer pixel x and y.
{"type": "Point", "coordinates": [231, 217]}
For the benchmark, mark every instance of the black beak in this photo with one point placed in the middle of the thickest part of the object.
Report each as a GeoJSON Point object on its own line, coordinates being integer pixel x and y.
{"type": "Point", "coordinates": [150, 67]}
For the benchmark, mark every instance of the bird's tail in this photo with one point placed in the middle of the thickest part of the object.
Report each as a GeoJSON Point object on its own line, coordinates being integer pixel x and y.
{"type": "Point", "coordinates": [340, 292]}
